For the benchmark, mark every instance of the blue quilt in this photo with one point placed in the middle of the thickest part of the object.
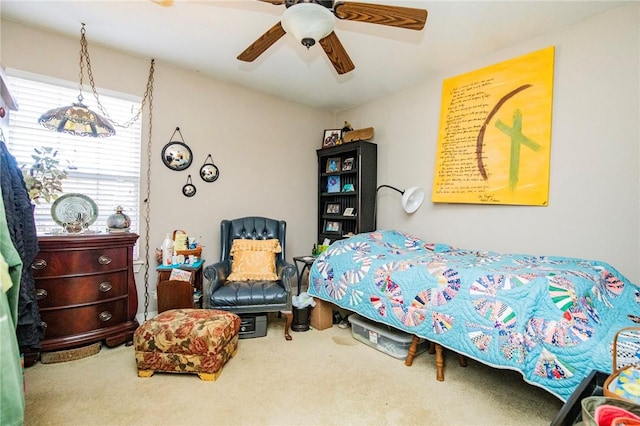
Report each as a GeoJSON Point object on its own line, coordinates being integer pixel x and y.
{"type": "Point", "coordinates": [551, 318]}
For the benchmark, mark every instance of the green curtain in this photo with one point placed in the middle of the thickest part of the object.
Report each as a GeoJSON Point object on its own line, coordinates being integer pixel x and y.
{"type": "Point", "coordinates": [11, 378]}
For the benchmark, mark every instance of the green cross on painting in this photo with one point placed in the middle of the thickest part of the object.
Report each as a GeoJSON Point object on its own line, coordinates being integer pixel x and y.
{"type": "Point", "coordinates": [517, 140]}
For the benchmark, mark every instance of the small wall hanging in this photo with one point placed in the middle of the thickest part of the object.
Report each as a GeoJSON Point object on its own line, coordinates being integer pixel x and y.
{"type": "Point", "coordinates": [209, 172]}
{"type": "Point", "coordinates": [176, 155]}
{"type": "Point", "coordinates": [189, 190]}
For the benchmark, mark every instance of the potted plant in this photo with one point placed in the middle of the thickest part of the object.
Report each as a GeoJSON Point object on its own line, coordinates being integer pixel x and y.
{"type": "Point", "coordinates": [44, 176]}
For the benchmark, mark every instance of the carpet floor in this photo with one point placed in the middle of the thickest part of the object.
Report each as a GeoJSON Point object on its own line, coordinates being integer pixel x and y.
{"type": "Point", "coordinates": [319, 378]}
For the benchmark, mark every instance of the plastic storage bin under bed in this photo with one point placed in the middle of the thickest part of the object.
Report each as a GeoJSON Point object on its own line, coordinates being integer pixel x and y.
{"type": "Point", "coordinates": [383, 338]}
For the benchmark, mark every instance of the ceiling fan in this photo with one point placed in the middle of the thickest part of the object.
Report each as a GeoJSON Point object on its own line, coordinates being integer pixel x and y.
{"type": "Point", "coordinates": [312, 20]}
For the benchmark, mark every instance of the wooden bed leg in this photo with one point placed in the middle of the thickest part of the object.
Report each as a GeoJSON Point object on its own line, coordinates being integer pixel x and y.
{"type": "Point", "coordinates": [439, 364]}
{"type": "Point", "coordinates": [412, 351]}
{"type": "Point", "coordinates": [462, 360]}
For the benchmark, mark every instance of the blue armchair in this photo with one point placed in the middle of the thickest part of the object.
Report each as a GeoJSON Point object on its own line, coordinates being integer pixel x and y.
{"type": "Point", "coordinates": [260, 296]}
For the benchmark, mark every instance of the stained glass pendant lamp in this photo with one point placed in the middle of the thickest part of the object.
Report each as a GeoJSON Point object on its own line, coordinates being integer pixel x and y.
{"type": "Point", "coordinates": [77, 119]}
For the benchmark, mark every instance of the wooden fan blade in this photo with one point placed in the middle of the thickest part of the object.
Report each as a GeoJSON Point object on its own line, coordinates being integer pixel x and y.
{"type": "Point", "coordinates": [394, 16]}
{"type": "Point", "coordinates": [337, 54]}
{"type": "Point", "coordinates": [265, 41]}
{"type": "Point", "coordinates": [276, 2]}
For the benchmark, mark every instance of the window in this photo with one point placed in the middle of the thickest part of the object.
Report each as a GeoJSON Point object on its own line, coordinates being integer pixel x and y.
{"type": "Point", "coordinates": [107, 169]}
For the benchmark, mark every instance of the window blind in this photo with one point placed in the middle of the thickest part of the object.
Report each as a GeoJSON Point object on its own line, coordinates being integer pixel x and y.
{"type": "Point", "coordinates": [106, 169]}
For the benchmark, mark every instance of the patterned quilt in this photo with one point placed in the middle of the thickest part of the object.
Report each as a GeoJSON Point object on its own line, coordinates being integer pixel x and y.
{"type": "Point", "coordinates": [551, 318]}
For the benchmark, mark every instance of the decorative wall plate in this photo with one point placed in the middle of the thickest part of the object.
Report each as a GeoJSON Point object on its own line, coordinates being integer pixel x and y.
{"type": "Point", "coordinates": [189, 190]}
{"type": "Point", "coordinates": [72, 207]}
{"type": "Point", "coordinates": [209, 172]}
{"type": "Point", "coordinates": [176, 155]}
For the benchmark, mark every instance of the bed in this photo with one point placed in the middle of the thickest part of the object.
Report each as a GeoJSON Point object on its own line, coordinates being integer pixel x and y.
{"type": "Point", "coordinates": [553, 319]}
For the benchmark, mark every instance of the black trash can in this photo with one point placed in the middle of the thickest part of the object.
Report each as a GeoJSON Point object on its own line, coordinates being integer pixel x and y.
{"type": "Point", "coordinates": [301, 318]}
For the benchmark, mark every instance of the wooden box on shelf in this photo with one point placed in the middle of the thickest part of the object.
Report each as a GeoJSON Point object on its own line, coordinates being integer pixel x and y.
{"type": "Point", "coordinates": [358, 135]}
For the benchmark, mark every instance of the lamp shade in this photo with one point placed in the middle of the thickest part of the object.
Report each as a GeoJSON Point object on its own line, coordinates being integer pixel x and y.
{"type": "Point", "coordinates": [77, 120]}
{"type": "Point", "coordinates": [412, 199]}
{"type": "Point", "coordinates": [308, 22]}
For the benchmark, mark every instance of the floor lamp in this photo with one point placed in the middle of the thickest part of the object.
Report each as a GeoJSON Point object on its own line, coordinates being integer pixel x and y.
{"type": "Point", "coordinates": [412, 199]}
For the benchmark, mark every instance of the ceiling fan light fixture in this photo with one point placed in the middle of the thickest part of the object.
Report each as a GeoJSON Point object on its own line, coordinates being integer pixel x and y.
{"type": "Point", "coordinates": [308, 22]}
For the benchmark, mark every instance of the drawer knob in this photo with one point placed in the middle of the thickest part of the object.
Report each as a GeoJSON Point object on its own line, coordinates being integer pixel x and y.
{"type": "Point", "coordinates": [41, 293]}
{"type": "Point", "coordinates": [39, 264]}
{"type": "Point", "coordinates": [105, 286]}
{"type": "Point", "coordinates": [105, 316]}
{"type": "Point", "coordinates": [104, 260]}
{"type": "Point", "coordinates": [44, 325]}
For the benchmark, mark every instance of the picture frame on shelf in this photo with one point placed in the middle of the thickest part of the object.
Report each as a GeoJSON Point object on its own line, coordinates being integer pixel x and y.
{"type": "Point", "coordinates": [349, 211]}
{"type": "Point", "coordinates": [333, 184]}
{"type": "Point", "coordinates": [347, 164]}
{"type": "Point", "coordinates": [333, 164]}
{"type": "Point", "coordinates": [331, 137]}
{"type": "Point", "coordinates": [332, 226]}
{"type": "Point", "coordinates": [348, 187]}
{"type": "Point", "coordinates": [332, 208]}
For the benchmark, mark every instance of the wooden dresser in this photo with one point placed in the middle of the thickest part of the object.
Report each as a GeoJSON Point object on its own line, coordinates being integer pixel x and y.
{"type": "Point", "coordinates": [86, 290]}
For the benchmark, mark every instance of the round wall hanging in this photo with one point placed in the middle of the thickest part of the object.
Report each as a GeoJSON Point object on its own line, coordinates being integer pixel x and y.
{"type": "Point", "coordinates": [209, 172]}
{"type": "Point", "coordinates": [177, 155]}
{"type": "Point", "coordinates": [189, 190]}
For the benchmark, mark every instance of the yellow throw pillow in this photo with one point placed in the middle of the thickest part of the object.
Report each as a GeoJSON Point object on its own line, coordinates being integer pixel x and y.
{"type": "Point", "coordinates": [254, 260]}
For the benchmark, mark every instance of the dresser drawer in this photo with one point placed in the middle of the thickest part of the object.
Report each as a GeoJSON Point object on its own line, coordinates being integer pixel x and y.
{"type": "Point", "coordinates": [76, 262]}
{"type": "Point", "coordinates": [70, 321]}
{"type": "Point", "coordinates": [53, 292]}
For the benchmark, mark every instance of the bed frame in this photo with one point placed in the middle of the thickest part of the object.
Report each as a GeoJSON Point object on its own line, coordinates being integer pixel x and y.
{"type": "Point", "coordinates": [433, 348]}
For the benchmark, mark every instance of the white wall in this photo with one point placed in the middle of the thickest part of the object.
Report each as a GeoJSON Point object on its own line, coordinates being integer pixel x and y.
{"type": "Point", "coordinates": [263, 146]}
{"type": "Point", "coordinates": [594, 195]}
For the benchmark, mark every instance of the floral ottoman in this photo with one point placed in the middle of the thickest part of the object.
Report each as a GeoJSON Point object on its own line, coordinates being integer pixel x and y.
{"type": "Point", "coordinates": [197, 341]}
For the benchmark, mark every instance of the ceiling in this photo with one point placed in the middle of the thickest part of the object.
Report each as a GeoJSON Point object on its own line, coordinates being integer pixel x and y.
{"type": "Point", "coordinates": [207, 36]}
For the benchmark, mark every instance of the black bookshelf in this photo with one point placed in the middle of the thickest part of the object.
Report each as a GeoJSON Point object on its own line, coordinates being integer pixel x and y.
{"type": "Point", "coordinates": [360, 175]}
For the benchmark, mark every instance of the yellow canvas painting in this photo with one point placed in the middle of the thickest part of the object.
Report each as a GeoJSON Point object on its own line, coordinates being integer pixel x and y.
{"type": "Point", "coordinates": [494, 137]}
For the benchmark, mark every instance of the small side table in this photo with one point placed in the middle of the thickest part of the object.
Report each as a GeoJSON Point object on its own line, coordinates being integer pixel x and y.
{"type": "Point", "coordinates": [306, 261]}
{"type": "Point", "coordinates": [164, 292]}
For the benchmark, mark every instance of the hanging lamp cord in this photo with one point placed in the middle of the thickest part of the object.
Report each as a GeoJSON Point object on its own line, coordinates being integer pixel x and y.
{"type": "Point", "coordinates": [84, 58]}
{"type": "Point", "coordinates": [82, 31]}
{"type": "Point", "coordinates": [148, 97]}
{"type": "Point", "coordinates": [147, 202]}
